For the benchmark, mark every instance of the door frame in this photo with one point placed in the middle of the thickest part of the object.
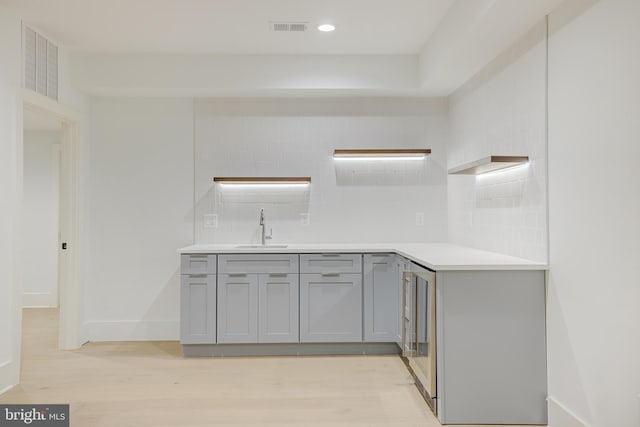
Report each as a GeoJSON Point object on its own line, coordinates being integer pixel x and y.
{"type": "Point", "coordinates": [69, 261]}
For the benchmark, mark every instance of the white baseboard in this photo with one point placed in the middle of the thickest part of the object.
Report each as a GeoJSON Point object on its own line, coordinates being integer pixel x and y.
{"type": "Point", "coordinates": [132, 330]}
{"type": "Point", "coordinates": [561, 416]}
{"type": "Point", "coordinates": [8, 377]}
{"type": "Point", "coordinates": [84, 333]}
{"type": "Point", "coordinates": [39, 300]}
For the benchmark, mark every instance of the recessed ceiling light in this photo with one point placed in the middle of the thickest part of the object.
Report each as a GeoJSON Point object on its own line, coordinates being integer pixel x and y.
{"type": "Point", "coordinates": [326, 28]}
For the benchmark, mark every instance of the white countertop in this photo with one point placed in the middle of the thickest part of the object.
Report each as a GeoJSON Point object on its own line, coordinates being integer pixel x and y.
{"type": "Point", "coordinates": [436, 256]}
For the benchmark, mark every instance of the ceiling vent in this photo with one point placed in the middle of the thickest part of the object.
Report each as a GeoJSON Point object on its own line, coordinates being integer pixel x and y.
{"type": "Point", "coordinates": [289, 27]}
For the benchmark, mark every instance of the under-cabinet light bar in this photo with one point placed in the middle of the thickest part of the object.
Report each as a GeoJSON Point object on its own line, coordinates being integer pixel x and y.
{"type": "Point", "coordinates": [260, 181]}
{"type": "Point", "coordinates": [381, 154]}
{"type": "Point", "coordinates": [489, 164]}
{"type": "Point", "coordinates": [264, 186]}
{"type": "Point", "coordinates": [511, 171]}
{"type": "Point", "coordinates": [380, 159]}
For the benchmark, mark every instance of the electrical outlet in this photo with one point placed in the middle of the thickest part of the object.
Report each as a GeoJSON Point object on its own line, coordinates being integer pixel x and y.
{"type": "Point", "coordinates": [304, 218]}
{"type": "Point", "coordinates": [420, 219]}
{"type": "Point", "coordinates": [210, 221]}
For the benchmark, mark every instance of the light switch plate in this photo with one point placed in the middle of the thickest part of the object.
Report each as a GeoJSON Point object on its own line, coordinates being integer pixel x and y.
{"type": "Point", "coordinates": [304, 218]}
{"type": "Point", "coordinates": [210, 221]}
{"type": "Point", "coordinates": [420, 219]}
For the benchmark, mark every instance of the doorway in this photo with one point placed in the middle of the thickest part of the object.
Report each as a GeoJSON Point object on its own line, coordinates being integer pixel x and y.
{"type": "Point", "coordinates": [63, 288]}
{"type": "Point", "coordinates": [42, 139]}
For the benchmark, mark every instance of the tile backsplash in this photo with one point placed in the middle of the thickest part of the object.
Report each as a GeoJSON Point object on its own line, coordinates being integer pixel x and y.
{"type": "Point", "coordinates": [347, 201]}
{"type": "Point", "coordinates": [501, 111]}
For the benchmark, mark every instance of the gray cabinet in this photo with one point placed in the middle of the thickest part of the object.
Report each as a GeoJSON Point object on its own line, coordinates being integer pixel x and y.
{"type": "Point", "coordinates": [198, 309]}
{"type": "Point", "coordinates": [258, 298]}
{"type": "Point", "coordinates": [198, 299]}
{"type": "Point", "coordinates": [380, 282]}
{"type": "Point", "coordinates": [198, 264]}
{"type": "Point", "coordinates": [237, 308]}
{"type": "Point", "coordinates": [258, 263]}
{"type": "Point", "coordinates": [278, 308]}
{"type": "Point", "coordinates": [331, 307]}
{"type": "Point", "coordinates": [331, 263]}
{"type": "Point", "coordinates": [491, 347]}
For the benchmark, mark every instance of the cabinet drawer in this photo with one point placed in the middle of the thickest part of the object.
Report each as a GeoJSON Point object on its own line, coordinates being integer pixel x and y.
{"type": "Point", "coordinates": [198, 264]}
{"type": "Point", "coordinates": [258, 263]}
{"type": "Point", "coordinates": [380, 257]}
{"type": "Point", "coordinates": [331, 263]}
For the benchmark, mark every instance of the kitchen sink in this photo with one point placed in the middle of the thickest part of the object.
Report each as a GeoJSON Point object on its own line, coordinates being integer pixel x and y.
{"type": "Point", "coordinates": [260, 246]}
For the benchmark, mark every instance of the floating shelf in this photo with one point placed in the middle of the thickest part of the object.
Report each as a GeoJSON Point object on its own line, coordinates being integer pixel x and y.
{"type": "Point", "coordinates": [489, 164]}
{"type": "Point", "coordinates": [393, 154]}
{"type": "Point", "coordinates": [258, 180]}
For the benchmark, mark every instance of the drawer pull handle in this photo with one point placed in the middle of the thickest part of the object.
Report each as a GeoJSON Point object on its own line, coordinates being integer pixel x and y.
{"type": "Point", "coordinates": [198, 256]}
{"type": "Point", "coordinates": [198, 276]}
{"type": "Point", "coordinates": [238, 275]}
{"type": "Point", "coordinates": [330, 274]}
{"type": "Point", "coordinates": [330, 255]}
{"type": "Point", "coordinates": [277, 274]}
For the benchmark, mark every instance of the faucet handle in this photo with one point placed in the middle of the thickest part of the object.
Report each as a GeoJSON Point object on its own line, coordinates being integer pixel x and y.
{"type": "Point", "coordinates": [270, 236]}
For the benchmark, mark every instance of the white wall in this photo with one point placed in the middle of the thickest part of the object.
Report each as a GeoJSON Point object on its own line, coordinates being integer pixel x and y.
{"type": "Point", "coordinates": [594, 96]}
{"type": "Point", "coordinates": [233, 75]}
{"type": "Point", "coordinates": [471, 35]}
{"type": "Point", "coordinates": [142, 189]}
{"type": "Point", "coordinates": [347, 201]}
{"type": "Point", "coordinates": [9, 197]}
{"type": "Point", "coordinates": [11, 176]}
{"type": "Point", "coordinates": [40, 218]}
{"type": "Point", "coordinates": [594, 216]}
{"type": "Point", "coordinates": [501, 111]}
{"type": "Point", "coordinates": [141, 201]}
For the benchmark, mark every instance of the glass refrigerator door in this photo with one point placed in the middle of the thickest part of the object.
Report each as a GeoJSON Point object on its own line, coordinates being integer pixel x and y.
{"type": "Point", "coordinates": [425, 332]}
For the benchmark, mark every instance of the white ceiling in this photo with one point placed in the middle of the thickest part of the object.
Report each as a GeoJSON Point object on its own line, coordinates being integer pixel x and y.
{"type": "Point", "coordinates": [234, 26]}
{"type": "Point", "coordinates": [226, 47]}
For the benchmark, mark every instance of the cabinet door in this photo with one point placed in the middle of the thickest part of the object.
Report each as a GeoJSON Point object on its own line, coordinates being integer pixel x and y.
{"type": "Point", "coordinates": [237, 308]}
{"type": "Point", "coordinates": [198, 309]}
{"type": "Point", "coordinates": [278, 308]}
{"type": "Point", "coordinates": [330, 307]}
{"type": "Point", "coordinates": [381, 315]}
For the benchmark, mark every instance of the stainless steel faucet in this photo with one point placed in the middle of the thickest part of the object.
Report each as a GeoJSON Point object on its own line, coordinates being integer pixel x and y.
{"type": "Point", "coordinates": [263, 226]}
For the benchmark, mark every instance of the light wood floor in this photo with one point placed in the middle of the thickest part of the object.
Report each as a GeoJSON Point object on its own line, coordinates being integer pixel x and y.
{"type": "Point", "coordinates": [150, 384]}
